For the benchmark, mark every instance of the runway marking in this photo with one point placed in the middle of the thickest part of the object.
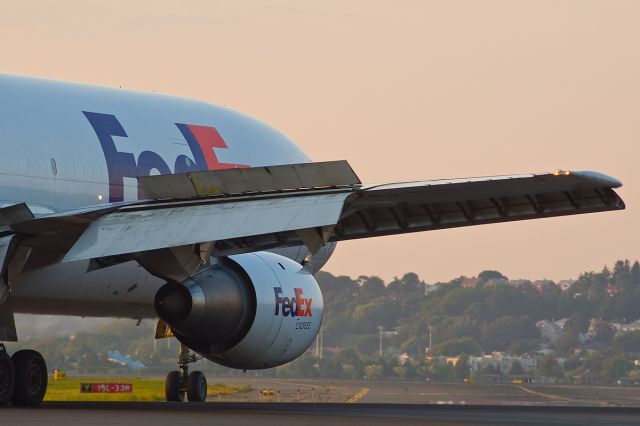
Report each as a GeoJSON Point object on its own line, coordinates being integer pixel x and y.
{"type": "Point", "coordinates": [358, 396]}
{"type": "Point", "coordinates": [317, 385]}
{"type": "Point", "coordinates": [566, 399]}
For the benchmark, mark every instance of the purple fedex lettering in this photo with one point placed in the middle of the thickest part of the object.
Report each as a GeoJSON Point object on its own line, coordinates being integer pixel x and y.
{"type": "Point", "coordinates": [278, 292]}
{"type": "Point", "coordinates": [296, 306]}
{"type": "Point", "coordinates": [119, 164]}
{"type": "Point", "coordinates": [202, 141]}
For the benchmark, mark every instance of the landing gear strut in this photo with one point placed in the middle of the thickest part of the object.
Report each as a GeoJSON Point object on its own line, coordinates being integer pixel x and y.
{"type": "Point", "coordinates": [23, 377]}
{"type": "Point", "coordinates": [179, 383]}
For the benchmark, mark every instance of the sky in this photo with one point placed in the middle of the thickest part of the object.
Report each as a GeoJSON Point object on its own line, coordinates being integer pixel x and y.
{"type": "Point", "coordinates": [403, 90]}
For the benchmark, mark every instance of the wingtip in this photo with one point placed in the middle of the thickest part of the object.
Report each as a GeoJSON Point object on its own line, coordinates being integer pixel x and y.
{"type": "Point", "coordinates": [599, 177]}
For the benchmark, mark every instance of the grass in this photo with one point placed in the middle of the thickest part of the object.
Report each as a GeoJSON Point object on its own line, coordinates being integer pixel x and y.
{"type": "Point", "coordinates": [144, 389]}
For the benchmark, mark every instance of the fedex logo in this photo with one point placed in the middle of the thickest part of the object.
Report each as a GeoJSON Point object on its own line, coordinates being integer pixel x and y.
{"type": "Point", "coordinates": [296, 306]}
{"type": "Point", "coordinates": [202, 142]}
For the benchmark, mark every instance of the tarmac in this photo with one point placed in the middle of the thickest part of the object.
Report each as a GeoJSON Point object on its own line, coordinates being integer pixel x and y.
{"type": "Point", "coordinates": [429, 393]}
{"type": "Point", "coordinates": [308, 402]}
{"type": "Point", "coordinates": [309, 414]}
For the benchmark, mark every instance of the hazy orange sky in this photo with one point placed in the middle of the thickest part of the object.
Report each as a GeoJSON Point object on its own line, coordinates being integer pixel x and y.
{"type": "Point", "coordinates": [404, 90]}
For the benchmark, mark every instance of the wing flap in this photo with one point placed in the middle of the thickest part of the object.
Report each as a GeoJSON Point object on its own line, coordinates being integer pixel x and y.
{"type": "Point", "coordinates": [138, 229]}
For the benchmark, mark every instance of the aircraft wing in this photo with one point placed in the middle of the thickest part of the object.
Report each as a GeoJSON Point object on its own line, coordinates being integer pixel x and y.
{"type": "Point", "coordinates": [244, 210]}
{"type": "Point", "coordinates": [429, 205]}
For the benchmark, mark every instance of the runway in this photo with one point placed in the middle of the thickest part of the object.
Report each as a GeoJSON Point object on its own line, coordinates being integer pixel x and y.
{"type": "Point", "coordinates": [307, 414]}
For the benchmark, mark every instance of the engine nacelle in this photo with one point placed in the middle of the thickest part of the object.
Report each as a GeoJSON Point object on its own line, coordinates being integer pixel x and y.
{"type": "Point", "coordinates": [249, 311]}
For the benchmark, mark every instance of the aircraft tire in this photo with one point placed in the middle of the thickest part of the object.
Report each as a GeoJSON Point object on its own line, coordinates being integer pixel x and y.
{"type": "Point", "coordinates": [31, 378]}
{"type": "Point", "coordinates": [197, 387]}
{"type": "Point", "coordinates": [7, 378]}
{"type": "Point", "coordinates": [172, 388]}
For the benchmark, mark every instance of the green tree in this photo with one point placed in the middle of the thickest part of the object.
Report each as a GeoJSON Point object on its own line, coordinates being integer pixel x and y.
{"type": "Point", "coordinates": [461, 369]}
{"type": "Point", "coordinates": [516, 369]}
{"type": "Point", "coordinates": [603, 332]}
{"type": "Point", "coordinates": [485, 276]}
{"type": "Point", "coordinates": [617, 366]}
{"type": "Point", "coordinates": [372, 287]}
{"type": "Point", "coordinates": [405, 371]}
{"type": "Point", "coordinates": [454, 347]}
{"type": "Point", "coordinates": [548, 367]}
{"type": "Point", "coordinates": [572, 363]}
{"type": "Point", "coordinates": [567, 342]}
{"type": "Point", "coordinates": [410, 283]}
{"type": "Point", "coordinates": [374, 371]}
{"type": "Point", "coordinates": [576, 324]}
{"type": "Point", "coordinates": [628, 341]}
{"type": "Point", "coordinates": [498, 335]}
{"type": "Point", "coordinates": [524, 346]}
{"type": "Point", "coordinates": [439, 370]}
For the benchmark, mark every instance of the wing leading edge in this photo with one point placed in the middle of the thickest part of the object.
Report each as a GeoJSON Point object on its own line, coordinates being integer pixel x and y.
{"type": "Point", "coordinates": [255, 209]}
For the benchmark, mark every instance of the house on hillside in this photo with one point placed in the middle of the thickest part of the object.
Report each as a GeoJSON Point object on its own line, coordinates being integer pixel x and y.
{"type": "Point", "coordinates": [520, 283]}
{"type": "Point", "coordinates": [544, 286]}
{"type": "Point", "coordinates": [496, 282]}
{"type": "Point", "coordinates": [501, 361]}
{"type": "Point", "coordinates": [621, 327]}
{"type": "Point", "coordinates": [430, 288]}
{"type": "Point", "coordinates": [453, 360]}
{"type": "Point", "coordinates": [549, 330]}
{"type": "Point", "coordinates": [566, 284]}
{"type": "Point", "coordinates": [612, 290]}
{"type": "Point", "coordinates": [469, 282]}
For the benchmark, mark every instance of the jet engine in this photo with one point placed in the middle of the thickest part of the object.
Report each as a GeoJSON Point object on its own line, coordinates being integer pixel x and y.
{"type": "Point", "coordinates": [248, 311]}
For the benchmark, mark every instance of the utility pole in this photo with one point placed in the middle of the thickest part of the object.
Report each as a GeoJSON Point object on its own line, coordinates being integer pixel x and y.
{"type": "Point", "coordinates": [380, 329]}
{"type": "Point", "coordinates": [430, 328]}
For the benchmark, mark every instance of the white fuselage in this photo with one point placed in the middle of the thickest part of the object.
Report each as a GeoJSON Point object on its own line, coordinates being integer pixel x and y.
{"type": "Point", "coordinates": [66, 146]}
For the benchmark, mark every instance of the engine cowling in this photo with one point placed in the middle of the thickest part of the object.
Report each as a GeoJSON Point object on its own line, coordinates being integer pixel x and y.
{"type": "Point", "coordinates": [248, 311]}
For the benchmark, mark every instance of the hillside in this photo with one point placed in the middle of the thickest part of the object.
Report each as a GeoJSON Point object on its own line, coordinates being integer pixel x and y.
{"type": "Point", "coordinates": [541, 328]}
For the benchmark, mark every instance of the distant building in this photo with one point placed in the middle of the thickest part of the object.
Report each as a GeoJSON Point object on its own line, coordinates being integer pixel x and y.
{"type": "Point", "coordinates": [589, 378]}
{"type": "Point", "coordinates": [543, 286]}
{"type": "Point", "coordinates": [501, 361]}
{"type": "Point", "coordinates": [469, 282]}
{"type": "Point", "coordinates": [403, 358]}
{"type": "Point", "coordinates": [612, 290]}
{"type": "Point", "coordinates": [566, 284]}
{"type": "Point", "coordinates": [430, 288]}
{"type": "Point", "coordinates": [551, 330]}
{"type": "Point", "coordinates": [520, 283]}
{"type": "Point", "coordinates": [583, 338]}
{"type": "Point", "coordinates": [453, 360]}
{"type": "Point", "coordinates": [496, 282]}
{"type": "Point", "coordinates": [621, 327]}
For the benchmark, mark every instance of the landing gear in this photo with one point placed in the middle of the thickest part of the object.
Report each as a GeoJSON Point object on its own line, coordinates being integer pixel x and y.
{"type": "Point", "coordinates": [173, 387]}
{"type": "Point", "coordinates": [31, 378]}
{"type": "Point", "coordinates": [23, 378]}
{"type": "Point", "coordinates": [179, 383]}
{"type": "Point", "coordinates": [7, 377]}
{"type": "Point", "coordinates": [197, 387]}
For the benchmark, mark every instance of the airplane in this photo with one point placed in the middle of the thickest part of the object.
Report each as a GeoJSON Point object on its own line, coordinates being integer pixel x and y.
{"type": "Point", "coordinates": [115, 203]}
